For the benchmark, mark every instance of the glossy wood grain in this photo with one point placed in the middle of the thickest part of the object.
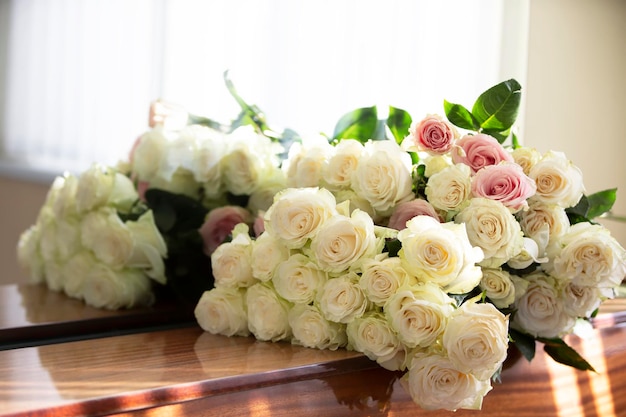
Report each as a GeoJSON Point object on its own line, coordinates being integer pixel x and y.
{"type": "Point", "coordinates": [32, 314]}
{"type": "Point", "coordinates": [188, 372]}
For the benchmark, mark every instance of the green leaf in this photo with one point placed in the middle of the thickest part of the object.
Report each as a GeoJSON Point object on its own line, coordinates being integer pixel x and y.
{"type": "Point", "coordinates": [601, 202]}
{"type": "Point", "coordinates": [500, 136]}
{"type": "Point", "coordinates": [392, 247]}
{"type": "Point", "coordinates": [250, 113]}
{"type": "Point", "coordinates": [515, 141]}
{"type": "Point", "coordinates": [578, 213]}
{"type": "Point", "coordinates": [496, 109]}
{"type": "Point", "coordinates": [460, 116]}
{"type": "Point", "coordinates": [359, 124]}
{"type": "Point", "coordinates": [524, 342]}
{"type": "Point", "coordinates": [563, 353]}
{"type": "Point", "coordinates": [175, 212]}
{"type": "Point", "coordinates": [398, 122]}
{"type": "Point", "coordinates": [192, 119]}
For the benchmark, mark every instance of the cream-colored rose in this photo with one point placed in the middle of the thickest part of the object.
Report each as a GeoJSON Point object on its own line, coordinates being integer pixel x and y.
{"type": "Point", "coordinates": [582, 301]}
{"type": "Point", "coordinates": [267, 313]}
{"type": "Point", "coordinates": [68, 241]}
{"type": "Point", "coordinates": [343, 241]}
{"type": "Point", "coordinates": [435, 163]}
{"type": "Point", "coordinates": [75, 271]}
{"type": "Point", "coordinates": [498, 287]}
{"type": "Point", "coordinates": [62, 201]}
{"type": "Point", "coordinates": [541, 310]}
{"type": "Point", "coordinates": [149, 248]}
{"type": "Point", "coordinates": [28, 255]}
{"type": "Point", "coordinates": [339, 167]}
{"type": "Point", "coordinates": [104, 233]}
{"type": "Point", "coordinates": [267, 254]}
{"type": "Point", "coordinates": [231, 263]}
{"type": "Point", "coordinates": [477, 338]}
{"type": "Point", "coordinates": [179, 155]}
{"type": "Point", "coordinates": [341, 299]}
{"type": "Point", "coordinates": [112, 290]}
{"type": "Point", "coordinates": [303, 166]}
{"type": "Point", "coordinates": [543, 223]}
{"type": "Point", "coordinates": [558, 180]}
{"type": "Point", "coordinates": [440, 253]}
{"type": "Point", "coordinates": [434, 383]}
{"type": "Point", "coordinates": [526, 157]}
{"type": "Point", "coordinates": [180, 182]}
{"type": "Point", "coordinates": [263, 197]}
{"type": "Point", "coordinates": [54, 277]}
{"type": "Point", "coordinates": [381, 278]}
{"type": "Point", "coordinates": [589, 256]}
{"type": "Point", "coordinates": [383, 176]}
{"type": "Point", "coordinates": [310, 329]}
{"type": "Point", "coordinates": [222, 311]}
{"type": "Point", "coordinates": [492, 227]}
{"type": "Point", "coordinates": [298, 213]}
{"type": "Point", "coordinates": [451, 188]}
{"type": "Point", "coordinates": [528, 255]}
{"type": "Point", "coordinates": [298, 279]}
{"type": "Point", "coordinates": [419, 313]}
{"type": "Point", "coordinates": [149, 154]}
{"type": "Point", "coordinates": [94, 187]}
{"type": "Point", "coordinates": [209, 146]}
{"type": "Point", "coordinates": [373, 336]}
{"type": "Point", "coordinates": [357, 202]}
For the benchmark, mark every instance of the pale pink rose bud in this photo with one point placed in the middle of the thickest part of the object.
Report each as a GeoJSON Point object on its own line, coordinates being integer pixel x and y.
{"type": "Point", "coordinates": [433, 134]}
{"type": "Point", "coordinates": [219, 223]}
{"type": "Point", "coordinates": [406, 211]}
{"type": "Point", "coordinates": [505, 183]}
{"type": "Point", "coordinates": [142, 187]}
{"type": "Point", "coordinates": [259, 224]}
{"type": "Point", "coordinates": [170, 116]}
{"type": "Point", "coordinates": [478, 151]}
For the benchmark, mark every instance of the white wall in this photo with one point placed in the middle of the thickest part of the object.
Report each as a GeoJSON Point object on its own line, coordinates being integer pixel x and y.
{"type": "Point", "coordinates": [575, 90]}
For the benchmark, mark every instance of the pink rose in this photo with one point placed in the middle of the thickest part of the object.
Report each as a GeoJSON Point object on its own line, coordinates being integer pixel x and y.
{"type": "Point", "coordinates": [407, 210]}
{"type": "Point", "coordinates": [142, 187]}
{"type": "Point", "coordinates": [478, 151]}
{"type": "Point", "coordinates": [505, 183]}
{"type": "Point", "coordinates": [219, 223]}
{"type": "Point", "coordinates": [259, 224]}
{"type": "Point", "coordinates": [433, 134]}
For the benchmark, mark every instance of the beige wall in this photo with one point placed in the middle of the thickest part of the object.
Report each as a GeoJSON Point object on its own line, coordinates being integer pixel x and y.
{"type": "Point", "coordinates": [575, 90]}
{"type": "Point", "coordinates": [574, 102]}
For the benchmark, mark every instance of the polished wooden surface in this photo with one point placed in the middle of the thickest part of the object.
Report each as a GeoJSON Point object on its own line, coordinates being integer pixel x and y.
{"type": "Point", "coordinates": [32, 314]}
{"type": "Point", "coordinates": [184, 371]}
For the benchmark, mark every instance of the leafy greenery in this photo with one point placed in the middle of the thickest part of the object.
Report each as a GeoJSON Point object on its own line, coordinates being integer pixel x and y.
{"type": "Point", "coordinates": [364, 124]}
{"type": "Point", "coordinates": [592, 206]}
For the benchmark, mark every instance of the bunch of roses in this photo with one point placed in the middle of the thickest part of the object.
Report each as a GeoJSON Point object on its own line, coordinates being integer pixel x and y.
{"type": "Point", "coordinates": [320, 276]}
{"type": "Point", "coordinates": [80, 245]}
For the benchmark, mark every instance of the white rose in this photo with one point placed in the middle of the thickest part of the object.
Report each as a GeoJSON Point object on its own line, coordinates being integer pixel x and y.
{"type": "Point", "coordinates": [209, 146]}
{"type": "Point", "coordinates": [149, 154]}
{"type": "Point", "coordinates": [451, 188]}
{"type": "Point", "coordinates": [267, 254]}
{"type": "Point", "coordinates": [541, 310]}
{"type": "Point", "coordinates": [434, 383]}
{"type": "Point", "coordinates": [112, 290]}
{"type": "Point", "coordinates": [75, 271]}
{"type": "Point", "coordinates": [231, 263]}
{"type": "Point", "coordinates": [54, 276]}
{"type": "Point", "coordinates": [589, 256]}
{"type": "Point", "coordinates": [558, 180]}
{"type": "Point", "coordinates": [528, 255]}
{"type": "Point", "coordinates": [341, 299]}
{"type": "Point", "coordinates": [28, 255]}
{"type": "Point", "coordinates": [262, 198]}
{"type": "Point", "coordinates": [180, 182]}
{"type": "Point", "coordinates": [526, 157]}
{"type": "Point", "coordinates": [543, 223]}
{"type": "Point", "coordinates": [62, 200]}
{"type": "Point", "coordinates": [477, 338]}
{"type": "Point", "coordinates": [440, 253]}
{"type": "Point", "coordinates": [498, 287]}
{"type": "Point", "coordinates": [381, 278]}
{"type": "Point", "coordinates": [338, 169]}
{"type": "Point", "coordinates": [492, 227]}
{"type": "Point", "coordinates": [343, 241]}
{"type": "Point", "coordinates": [298, 279]}
{"type": "Point", "coordinates": [435, 163]}
{"type": "Point", "coordinates": [222, 311]}
{"type": "Point", "coordinates": [373, 336]}
{"type": "Point", "coordinates": [149, 248]}
{"type": "Point", "coordinates": [303, 166]}
{"type": "Point", "coordinates": [94, 187]}
{"type": "Point", "coordinates": [267, 313]}
{"type": "Point", "coordinates": [298, 213]}
{"type": "Point", "coordinates": [47, 225]}
{"type": "Point", "coordinates": [383, 176]}
{"type": "Point", "coordinates": [310, 329]}
{"type": "Point", "coordinates": [582, 301]}
{"type": "Point", "coordinates": [419, 313]}
{"type": "Point", "coordinates": [357, 202]}
{"type": "Point", "coordinates": [68, 241]}
{"type": "Point", "coordinates": [110, 240]}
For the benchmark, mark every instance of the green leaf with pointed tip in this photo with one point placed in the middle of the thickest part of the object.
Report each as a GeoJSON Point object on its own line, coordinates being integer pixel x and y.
{"type": "Point", "coordinates": [460, 116]}
{"type": "Point", "coordinates": [250, 113]}
{"type": "Point", "coordinates": [515, 141]}
{"type": "Point", "coordinates": [601, 202]}
{"type": "Point", "coordinates": [192, 119]}
{"type": "Point", "coordinates": [563, 353]}
{"type": "Point", "coordinates": [398, 122]}
{"type": "Point", "coordinates": [499, 136]}
{"type": "Point", "coordinates": [524, 342]}
{"type": "Point", "coordinates": [578, 213]}
{"type": "Point", "coordinates": [359, 124]}
{"type": "Point", "coordinates": [496, 109]}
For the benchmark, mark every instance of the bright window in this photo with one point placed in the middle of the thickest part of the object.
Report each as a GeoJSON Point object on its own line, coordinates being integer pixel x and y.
{"type": "Point", "coordinates": [79, 75]}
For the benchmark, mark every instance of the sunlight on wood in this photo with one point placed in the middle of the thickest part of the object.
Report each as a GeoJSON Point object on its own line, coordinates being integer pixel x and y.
{"type": "Point", "coordinates": [599, 382]}
{"type": "Point", "coordinates": [564, 387]}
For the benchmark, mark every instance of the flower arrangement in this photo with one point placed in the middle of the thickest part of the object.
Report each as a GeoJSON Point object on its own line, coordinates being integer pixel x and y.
{"type": "Point", "coordinates": [427, 249]}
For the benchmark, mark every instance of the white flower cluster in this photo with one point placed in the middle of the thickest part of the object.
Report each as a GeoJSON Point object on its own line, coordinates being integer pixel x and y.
{"type": "Point", "coordinates": [80, 245]}
{"type": "Point", "coordinates": [319, 276]}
